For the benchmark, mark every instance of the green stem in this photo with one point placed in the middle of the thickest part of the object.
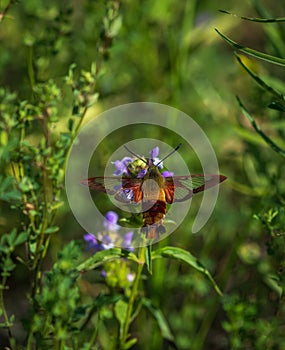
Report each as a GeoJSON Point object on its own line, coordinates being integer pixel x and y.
{"type": "Point", "coordinates": [42, 242]}
{"type": "Point", "coordinates": [60, 344]}
{"type": "Point", "coordinates": [94, 334]}
{"type": "Point", "coordinates": [5, 315]}
{"type": "Point", "coordinates": [30, 341]}
{"type": "Point", "coordinates": [134, 291]}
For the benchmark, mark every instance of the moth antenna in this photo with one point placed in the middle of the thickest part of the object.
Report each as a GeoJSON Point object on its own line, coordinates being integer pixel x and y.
{"type": "Point", "coordinates": [169, 154]}
{"type": "Point", "coordinates": [136, 155]}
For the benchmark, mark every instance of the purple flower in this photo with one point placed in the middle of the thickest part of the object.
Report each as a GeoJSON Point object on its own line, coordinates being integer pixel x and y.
{"type": "Point", "coordinates": [142, 173]}
{"type": "Point", "coordinates": [92, 243]}
{"type": "Point", "coordinates": [154, 152]}
{"type": "Point", "coordinates": [107, 242]}
{"type": "Point", "coordinates": [167, 173]}
{"type": "Point", "coordinates": [154, 160]}
{"type": "Point", "coordinates": [127, 243]}
{"type": "Point", "coordinates": [122, 166]}
{"type": "Point", "coordinates": [110, 222]}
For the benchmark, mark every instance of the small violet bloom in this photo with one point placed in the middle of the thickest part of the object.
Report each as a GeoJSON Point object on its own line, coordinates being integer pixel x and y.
{"type": "Point", "coordinates": [122, 166]}
{"type": "Point", "coordinates": [110, 222]}
{"type": "Point", "coordinates": [107, 242]}
{"type": "Point", "coordinates": [167, 173]}
{"type": "Point", "coordinates": [154, 157]}
{"type": "Point", "coordinates": [154, 160]}
{"type": "Point", "coordinates": [142, 173]}
{"type": "Point", "coordinates": [127, 243]}
{"type": "Point", "coordinates": [91, 241]}
{"type": "Point", "coordinates": [94, 244]}
{"type": "Point", "coordinates": [154, 152]}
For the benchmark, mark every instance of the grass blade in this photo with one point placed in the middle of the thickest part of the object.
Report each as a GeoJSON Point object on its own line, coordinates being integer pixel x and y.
{"type": "Point", "coordinates": [271, 143]}
{"type": "Point", "coordinates": [259, 81]}
{"type": "Point", "coordinates": [256, 19]}
{"type": "Point", "coordinates": [251, 52]}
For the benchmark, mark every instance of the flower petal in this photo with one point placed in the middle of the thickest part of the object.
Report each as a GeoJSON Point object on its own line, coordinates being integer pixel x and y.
{"type": "Point", "coordinates": [155, 161]}
{"type": "Point", "coordinates": [154, 152]}
{"type": "Point", "coordinates": [92, 243]}
{"type": "Point", "coordinates": [127, 243]}
{"type": "Point", "coordinates": [112, 217]}
{"type": "Point", "coordinates": [167, 173]}
{"type": "Point", "coordinates": [142, 173]}
{"type": "Point", "coordinates": [122, 166]}
{"type": "Point", "coordinates": [110, 222]}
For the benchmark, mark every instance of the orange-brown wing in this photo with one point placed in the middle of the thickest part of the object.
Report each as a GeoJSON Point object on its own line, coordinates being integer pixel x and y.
{"type": "Point", "coordinates": [181, 188]}
{"type": "Point", "coordinates": [126, 190]}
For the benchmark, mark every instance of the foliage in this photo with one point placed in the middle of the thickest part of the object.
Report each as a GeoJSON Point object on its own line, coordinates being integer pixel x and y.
{"type": "Point", "coordinates": [63, 62]}
{"type": "Point", "coordinates": [243, 329]}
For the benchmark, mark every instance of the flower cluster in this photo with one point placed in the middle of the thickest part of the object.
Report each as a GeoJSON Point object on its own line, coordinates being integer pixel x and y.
{"type": "Point", "coordinates": [116, 273]}
{"type": "Point", "coordinates": [135, 167]}
{"type": "Point", "coordinates": [106, 238]}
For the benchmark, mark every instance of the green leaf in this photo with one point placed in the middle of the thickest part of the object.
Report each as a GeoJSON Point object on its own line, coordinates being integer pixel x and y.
{"type": "Point", "coordinates": [259, 81]}
{"type": "Point", "coordinates": [161, 321]}
{"type": "Point", "coordinates": [273, 32]}
{"type": "Point", "coordinates": [100, 258]}
{"type": "Point", "coordinates": [273, 282]}
{"type": "Point", "coordinates": [11, 237]}
{"type": "Point", "coordinates": [256, 19]}
{"type": "Point", "coordinates": [103, 299]}
{"type": "Point", "coordinates": [21, 238]}
{"type": "Point", "coordinates": [121, 308]}
{"type": "Point", "coordinates": [100, 301]}
{"type": "Point", "coordinates": [7, 191]}
{"type": "Point", "coordinates": [278, 106]}
{"type": "Point", "coordinates": [10, 323]}
{"type": "Point", "coordinates": [130, 343]}
{"type": "Point", "coordinates": [52, 230]}
{"type": "Point", "coordinates": [254, 53]}
{"type": "Point", "coordinates": [186, 257]}
{"type": "Point", "coordinates": [272, 144]}
{"type": "Point", "coordinates": [148, 260]}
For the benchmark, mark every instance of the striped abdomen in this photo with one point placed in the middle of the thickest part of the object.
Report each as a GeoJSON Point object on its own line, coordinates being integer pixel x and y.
{"type": "Point", "coordinates": [154, 210]}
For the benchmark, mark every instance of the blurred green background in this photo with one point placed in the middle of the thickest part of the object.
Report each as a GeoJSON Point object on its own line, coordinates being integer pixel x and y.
{"type": "Point", "coordinates": [168, 52]}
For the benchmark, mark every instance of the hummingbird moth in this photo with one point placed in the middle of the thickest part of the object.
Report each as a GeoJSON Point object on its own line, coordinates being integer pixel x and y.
{"type": "Point", "coordinates": [143, 183]}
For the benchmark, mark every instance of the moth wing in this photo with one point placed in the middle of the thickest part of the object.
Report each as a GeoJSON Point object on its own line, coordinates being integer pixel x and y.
{"type": "Point", "coordinates": [125, 190]}
{"type": "Point", "coordinates": [182, 188]}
